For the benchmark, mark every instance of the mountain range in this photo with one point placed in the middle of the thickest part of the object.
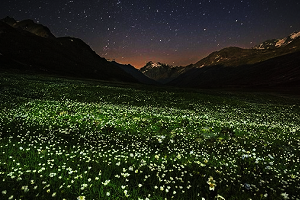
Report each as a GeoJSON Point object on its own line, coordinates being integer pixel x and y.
{"type": "Point", "coordinates": [274, 63]}
{"type": "Point", "coordinates": [161, 72]}
{"type": "Point", "coordinates": [26, 46]}
{"type": "Point", "coordinates": [31, 47]}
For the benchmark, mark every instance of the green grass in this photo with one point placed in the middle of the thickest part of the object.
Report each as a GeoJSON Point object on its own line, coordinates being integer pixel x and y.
{"type": "Point", "coordinates": [66, 139]}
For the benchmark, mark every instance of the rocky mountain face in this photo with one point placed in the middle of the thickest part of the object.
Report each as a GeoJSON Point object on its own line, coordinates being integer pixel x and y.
{"type": "Point", "coordinates": [237, 67]}
{"type": "Point", "coordinates": [277, 43]}
{"type": "Point", "coordinates": [279, 72]}
{"type": "Point", "coordinates": [136, 74]}
{"type": "Point", "coordinates": [162, 73]}
{"type": "Point", "coordinates": [234, 56]}
{"type": "Point", "coordinates": [27, 46]}
{"type": "Point", "coordinates": [274, 63]}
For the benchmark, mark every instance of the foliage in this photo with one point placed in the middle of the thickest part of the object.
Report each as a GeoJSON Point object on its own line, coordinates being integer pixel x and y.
{"type": "Point", "coordinates": [68, 139]}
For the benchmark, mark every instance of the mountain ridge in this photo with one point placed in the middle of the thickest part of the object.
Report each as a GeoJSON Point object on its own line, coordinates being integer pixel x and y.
{"type": "Point", "coordinates": [277, 43]}
{"type": "Point", "coordinates": [31, 47]}
{"type": "Point", "coordinates": [27, 46]}
{"type": "Point", "coordinates": [231, 57]}
{"type": "Point", "coordinates": [30, 26]}
{"type": "Point", "coordinates": [161, 72]}
{"type": "Point", "coordinates": [282, 71]}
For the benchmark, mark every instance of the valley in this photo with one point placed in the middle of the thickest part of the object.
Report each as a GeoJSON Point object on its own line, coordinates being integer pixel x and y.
{"type": "Point", "coordinates": [69, 138]}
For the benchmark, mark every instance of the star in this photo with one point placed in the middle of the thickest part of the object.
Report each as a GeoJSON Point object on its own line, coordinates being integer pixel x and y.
{"type": "Point", "coordinates": [156, 27]}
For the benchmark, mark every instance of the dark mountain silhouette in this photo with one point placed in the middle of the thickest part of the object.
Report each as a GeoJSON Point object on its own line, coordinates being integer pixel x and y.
{"type": "Point", "coordinates": [234, 56]}
{"type": "Point", "coordinates": [136, 73]}
{"type": "Point", "coordinates": [281, 71]}
{"type": "Point", "coordinates": [27, 46]}
{"type": "Point", "coordinates": [30, 26]}
{"type": "Point", "coordinates": [274, 63]}
{"type": "Point", "coordinates": [31, 47]}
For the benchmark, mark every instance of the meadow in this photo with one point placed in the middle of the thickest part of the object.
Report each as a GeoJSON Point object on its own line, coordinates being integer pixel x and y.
{"type": "Point", "coordinates": [82, 139]}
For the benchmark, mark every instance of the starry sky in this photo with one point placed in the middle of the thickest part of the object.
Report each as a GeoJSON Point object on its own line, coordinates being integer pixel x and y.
{"type": "Point", "coordinates": [176, 32]}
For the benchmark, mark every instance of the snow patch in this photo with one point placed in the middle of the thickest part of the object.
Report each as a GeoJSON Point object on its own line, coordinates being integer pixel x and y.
{"type": "Point", "coordinates": [280, 42]}
{"type": "Point", "coordinates": [295, 35]}
{"type": "Point", "coordinates": [261, 46]}
{"type": "Point", "coordinates": [155, 65]}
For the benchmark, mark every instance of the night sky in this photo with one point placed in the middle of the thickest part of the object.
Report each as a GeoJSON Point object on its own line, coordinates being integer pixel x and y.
{"type": "Point", "coordinates": [176, 32]}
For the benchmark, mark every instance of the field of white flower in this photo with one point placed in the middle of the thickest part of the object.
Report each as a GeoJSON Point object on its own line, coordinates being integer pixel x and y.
{"type": "Point", "coordinates": [76, 139]}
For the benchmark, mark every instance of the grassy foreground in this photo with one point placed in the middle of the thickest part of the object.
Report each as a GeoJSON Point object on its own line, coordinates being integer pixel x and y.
{"type": "Point", "coordinates": [68, 139]}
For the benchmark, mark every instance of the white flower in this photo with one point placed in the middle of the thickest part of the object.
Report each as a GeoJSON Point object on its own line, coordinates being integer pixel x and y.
{"type": "Point", "coordinates": [107, 193]}
{"type": "Point", "coordinates": [106, 182]}
{"type": "Point", "coordinates": [52, 174]}
{"type": "Point", "coordinates": [140, 185]}
{"type": "Point", "coordinates": [211, 183]}
{"type": "Point", "coordinates": [285, 195]}
{"type": "Point", "coordinates": [4, 192]}
{"type": "Point", "coordinates": [81, 198]}
{"type": "Point", "coordinates": [210, 179]}
{"type": "Point", "coordinates": [212, 186]}
{"type": "Point", "coordinates": [178, 156]}
{"type": "Point", "coordinates": [25, 188]}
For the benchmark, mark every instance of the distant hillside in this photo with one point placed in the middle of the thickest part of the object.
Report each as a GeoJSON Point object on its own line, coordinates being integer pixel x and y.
{"type": "Point", "coordinates": [27, 46]}
{"type": "Point", "coordinates": [277, 43]}
{"type": "Point", "coordinates": [237, 67]}
{"type": "Point", "coordinates": [282, 71]}
{"type": "Point", "coordinates": [136, 74]}
{"type": "Point", "coordinates": [30, 26]}
{"type": "Point", "coordinates": [162, 73]}
{"type": "Point", "coordinates": [234, 56]}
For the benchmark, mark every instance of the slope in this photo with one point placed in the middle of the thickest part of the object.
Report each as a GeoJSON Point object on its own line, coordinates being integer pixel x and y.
{"type": "Point", "coordinates": [37, 50]}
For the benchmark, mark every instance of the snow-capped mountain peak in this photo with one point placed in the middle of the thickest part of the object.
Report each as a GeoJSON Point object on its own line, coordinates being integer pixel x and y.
{"type": "Point", "coordinates": [280, 42]}
{"type": "Point", "coordinates": [155, 65]}
{"type": "Point", "coordinates": [277, 43]}
{"type": "Point", "coordinates": [295, 35]}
